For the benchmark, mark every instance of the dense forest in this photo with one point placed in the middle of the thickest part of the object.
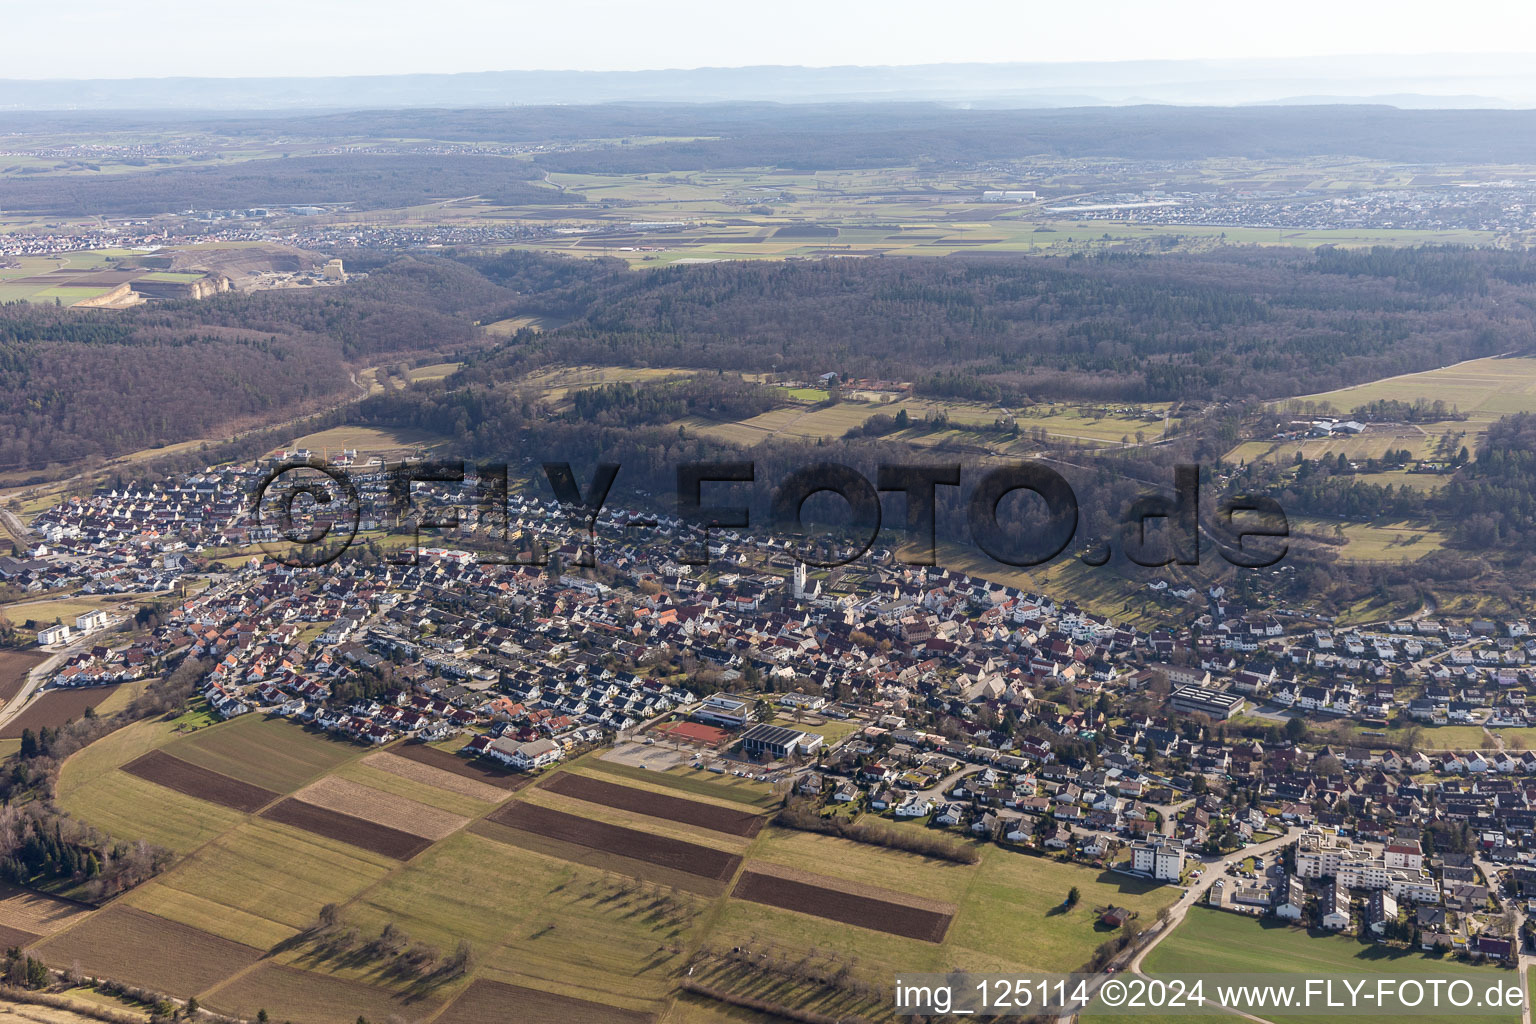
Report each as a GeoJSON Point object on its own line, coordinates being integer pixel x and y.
{"type": "Point", "coordinates": [1242, 323]}
{"type": "Point", "coordinates": [81, 383]}
{"type": "Point", "coordinates": [1232, 326]}
{"type": "Point", "coordinates": [362, 181]}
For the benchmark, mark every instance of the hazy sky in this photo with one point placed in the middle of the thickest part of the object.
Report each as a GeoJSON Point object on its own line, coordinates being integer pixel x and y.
{"type": "Point", "coordinates": [156, 38]}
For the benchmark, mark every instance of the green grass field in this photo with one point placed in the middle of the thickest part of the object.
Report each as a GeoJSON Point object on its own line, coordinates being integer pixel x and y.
{"type": "Point", "coordinates": [130, 808]}
{"type": "Point", "coordinates": [261, 882]}
{"type": "Point", "coordinates": [1012, 915]}
{"type": "Point", "coordinates": [534, 919]}
{"type": "Point", "coordinates": [690, 780]}
{"type": "Point", "coordinates": [1214, 942]}
{"type": "Point", "coordinates": [268, 752]}
{"type": "Point", "coordinates": [1379, 541]}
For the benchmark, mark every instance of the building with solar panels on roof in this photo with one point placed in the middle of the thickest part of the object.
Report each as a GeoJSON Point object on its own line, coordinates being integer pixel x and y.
{"type": "Point", "coordinates": [776, 742]}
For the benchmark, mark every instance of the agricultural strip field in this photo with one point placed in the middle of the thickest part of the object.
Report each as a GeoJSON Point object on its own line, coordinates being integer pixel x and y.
{"type": "Point", "coordinates": [689, 812]}
{"type": "Point", "coordinates": [260, 883]}
{"type": "Point", "coordinates": [268, 752]}
{"type": "Point", "coordinates": [699, 783]}
{"type": "Point", "coordinates": [533, 919]}
{"type": "Point", "coordinates": [348, 829]}
{"type": "Point", "coordinates": [627, 842]}
{"type": "Point", "coordinates": [491, 1002]}
{"type": "Point", "coordinates": [26, 916]}
{"type": "Point", "coordinates": [438, 778]}
{"type": "Point", "coordinates": [603, 860]}
{"type": "Point", "coordinates": [121, 942]}
{"type": "Point", "coordinates": [55, 707]}
{"type": "Point", "coordinates": [173, 773]}
{"type": "Point", "coordinates": [822, 900]}
{"type": "Point", "coordinates": [291, 994]}
{"type": "Point", "coordinates": [380, 808]}
{"type": "Point", "coordinates": [464, 767]}
{"type": "Point", "coordinates": [14, 666]}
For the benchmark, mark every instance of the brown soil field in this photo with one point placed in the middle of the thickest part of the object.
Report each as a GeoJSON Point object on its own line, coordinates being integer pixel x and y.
{"type": "Point", "coordinates": [492, 1002]}
{"type": "Point", "coordinates": [288, 993]}
{"type": "Point", "coordinates": [391, 842]}
{"type": "Point", "coordinates": [14, 666]}
{"type": "Point", "coordinates": [129, 945]}
{"type": "Point", "coordinates": [397, 812]}
{"type": "Point", "coordinates": [689, 812]}
{"type": "Point", "coordinates": [173, 773]}
{"type": "Point", "coordinates": [33, 913]}
{"type": "Point", "coordinates": [837, 905]}
{"type": "Point", "coordinates": [627, 842]}
{"type": "Point", "coordinates": [463, 766]}
{"type": "Point", "coordinates": [15, 937]}
{"type": "Point", "coordinates": [428, 775]}
{"type": "Point", "coordinates": [600, 859]}
{"type": "Point", "coordinates": [56, 707]}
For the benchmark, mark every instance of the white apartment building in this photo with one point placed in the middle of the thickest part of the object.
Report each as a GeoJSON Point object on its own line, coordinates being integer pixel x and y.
{"type": "Point", "coordinates": [1163, 862]}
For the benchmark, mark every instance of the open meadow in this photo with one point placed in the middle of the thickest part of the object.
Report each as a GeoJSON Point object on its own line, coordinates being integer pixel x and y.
{"type": "Point", "coordinates": [1215, 942]}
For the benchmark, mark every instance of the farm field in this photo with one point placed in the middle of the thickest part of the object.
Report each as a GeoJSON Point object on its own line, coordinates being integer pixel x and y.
{"type": "Point", "coordinates": [14, 666]}
{"type": "Point", "coordinates": [422, 783]}
{"type": "Point", "coordinates": [830, 898]}
{"type": "Point", "coordinates": [1213, 942]}
{"type": "Point", "coordinates": [536, 919]}
{"type": "Point", "coordinates": [1013, 912]}
{"type": "Point", "coordinates": [173, 773]}
{"type": "Point", "coordinates": [260, 883]}
{"type": "Point", "coordinates": [485, 1002]}
{"type": "Point", "coordinates": [291, 994]}
{"type": "Point", "coordinates": [65, 609]}
{"type": "Point", "coordinates": [1482, 389]}
{"type": "Point", "coordinates": [463, 767]}
{"type": "Point", "coordinates": [1378, 541]}
{"type": "Point", "coordinates": [662, 851]}
{"type": "Point", "coordinates": [347, 828]}
{"type": "Point", "coordinates": [865, 864]}
{"type": "Point", "coordinates": [55, 707]}
{"type": "Point", "coordinates": [604, 860]}
{"type": "Point", "coordinates": [25, 916]}
{"type": "Point", "coordinates": [634, 819]}
{"type": "Point", "coordinates": [688, 780]}
{"type": "Point", "coordinates": [156, 953]}
{"type": "Point", "coordinates": [268, 752]}
{"type": "Point", "coordinates": [388, 809]}
{"type": "Point", "coordinates": [690, 812]}
{"type": "Point", "coordinates": [367, 440]}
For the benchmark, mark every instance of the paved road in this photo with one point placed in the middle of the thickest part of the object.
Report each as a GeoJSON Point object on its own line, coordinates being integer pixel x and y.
{"type": "Point", "coordinates": [1212, 868]}
{"type": "Point", "coordinates": [1524, 962]}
